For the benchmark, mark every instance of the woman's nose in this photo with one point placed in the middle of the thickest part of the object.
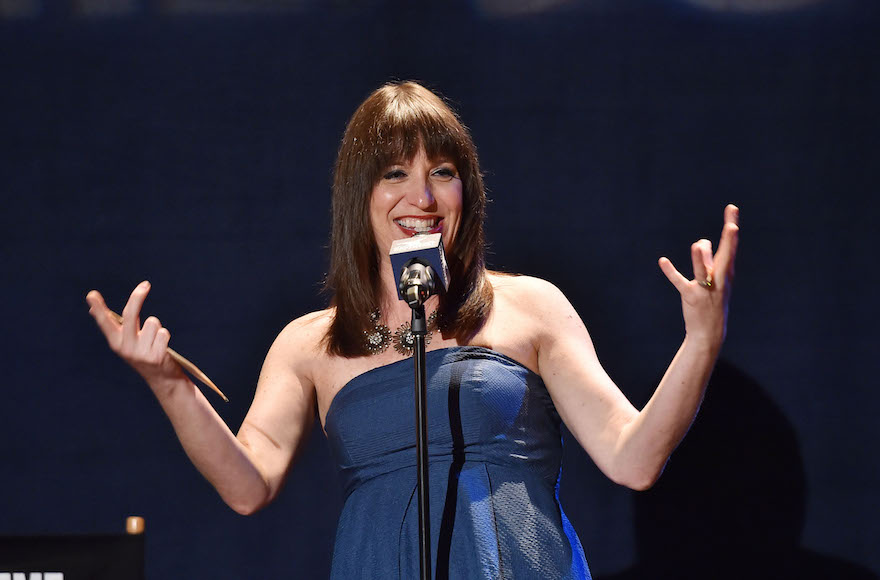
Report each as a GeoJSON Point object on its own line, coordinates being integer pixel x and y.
{"type": "Point", "coordinates": [421, 196]}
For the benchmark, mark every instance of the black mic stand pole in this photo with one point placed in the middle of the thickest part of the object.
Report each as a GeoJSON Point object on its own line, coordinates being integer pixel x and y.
{"type": "Point", "coordinates": [417, 284]}
{"type": "Point", "coordinates": [419, 328]}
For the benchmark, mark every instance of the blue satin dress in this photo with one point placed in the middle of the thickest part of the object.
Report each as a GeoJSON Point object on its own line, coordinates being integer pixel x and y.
{"type": "Point", "coordinates": [494, 455]}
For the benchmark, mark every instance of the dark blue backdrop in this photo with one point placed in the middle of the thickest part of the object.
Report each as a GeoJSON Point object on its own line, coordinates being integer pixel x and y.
{"type": "Point", "coordinates": [195, 150]}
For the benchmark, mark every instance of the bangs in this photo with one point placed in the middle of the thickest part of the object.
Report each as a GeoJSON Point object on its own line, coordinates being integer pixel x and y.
{"type": "Point", "coordinates": [399, 138]}
{"type": "Point", "coordinates": [403, 122]}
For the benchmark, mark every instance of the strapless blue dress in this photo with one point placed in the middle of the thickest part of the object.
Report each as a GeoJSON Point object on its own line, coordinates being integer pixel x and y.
{"type": "Point", "coordinates": [494, 454]}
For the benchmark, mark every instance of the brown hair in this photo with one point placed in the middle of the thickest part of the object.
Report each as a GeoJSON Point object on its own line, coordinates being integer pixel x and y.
{"type": "Point", "coordinates": [391, 125]}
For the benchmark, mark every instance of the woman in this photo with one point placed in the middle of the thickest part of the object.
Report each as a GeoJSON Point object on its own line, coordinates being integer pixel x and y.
{"type": "Point", "coordinates": [509, 357]}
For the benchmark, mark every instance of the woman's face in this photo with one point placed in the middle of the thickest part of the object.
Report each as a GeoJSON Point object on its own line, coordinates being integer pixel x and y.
{"type": "Point", "coordinates": [419, 196]}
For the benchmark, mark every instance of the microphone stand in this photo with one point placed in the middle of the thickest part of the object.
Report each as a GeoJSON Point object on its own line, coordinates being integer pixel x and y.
{"type": "Point", "coordinates": [419, 328]}
{"type": "Point", "coordinates": [417, 284]}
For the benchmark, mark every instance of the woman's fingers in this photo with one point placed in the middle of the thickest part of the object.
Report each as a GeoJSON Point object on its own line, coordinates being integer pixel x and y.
{"type": "Point", "coordinates": [130, 340]}
{"type": "Point", "coordinates": [148, 335]}
{"type": "Point", "coordinates": [105, 321]}
{"type": "Point", "coordinates": [131, 316]}
{"type": "Point", "coordinates": [731, 214]}
{"type": "Point", "coordinates": [144, 348]}
{"type": "Point", "coordinates": [705, 308]}
{"type": "Point", "coordinates": [672, 274]}
{"type": "Point", "coordinates": [160, 345]}
{"type": "Point", "coordinates": [701, 256]}
{"type": "Point", "coordinates": [729, 240]}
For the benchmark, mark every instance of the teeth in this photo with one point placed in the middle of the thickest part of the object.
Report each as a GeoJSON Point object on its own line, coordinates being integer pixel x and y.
{"type": "Point", "coordinates": [418, 224]}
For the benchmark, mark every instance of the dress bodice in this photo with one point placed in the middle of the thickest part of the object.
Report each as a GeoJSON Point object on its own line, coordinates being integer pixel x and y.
{"type": "Point", "coordinates": [494, 458]}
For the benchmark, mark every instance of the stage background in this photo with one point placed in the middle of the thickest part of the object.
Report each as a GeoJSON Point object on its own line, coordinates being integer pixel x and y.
{"type": "Point", "coordinates": [191, 143]}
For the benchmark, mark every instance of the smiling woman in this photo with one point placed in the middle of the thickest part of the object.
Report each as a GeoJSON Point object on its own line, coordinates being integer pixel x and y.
{"type": "Point", "coordinates": [414, 197]}
{"type": "Point", "coordinates": [404, 156]}
{"type": "Point", "coordinates": [510, 362]}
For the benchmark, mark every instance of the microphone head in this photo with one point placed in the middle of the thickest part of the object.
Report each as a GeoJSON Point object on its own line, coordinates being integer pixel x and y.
{"type": "Point", "coordinates": [425, 249]}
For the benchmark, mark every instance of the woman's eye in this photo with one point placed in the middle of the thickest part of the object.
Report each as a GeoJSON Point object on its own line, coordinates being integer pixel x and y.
{"type": "Point", "coordinates": [394, 174]}
{"type": "Point", "coordinates": [446, 173]}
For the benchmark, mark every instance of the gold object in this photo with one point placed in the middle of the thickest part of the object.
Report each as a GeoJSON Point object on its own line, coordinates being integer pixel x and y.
{"type": "Point", "coordinates": [134, 525]}
{"type": "Point", "coordinates": [189, 366]}
{"type": "Point", "coordinates": [707, 283]}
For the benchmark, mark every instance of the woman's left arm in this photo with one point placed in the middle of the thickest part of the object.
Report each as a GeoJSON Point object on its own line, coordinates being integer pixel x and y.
{"type": "Point", "coordinates": [631, 446]}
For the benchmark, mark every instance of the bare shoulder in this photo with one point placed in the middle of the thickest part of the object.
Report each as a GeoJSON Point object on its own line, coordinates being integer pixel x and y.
{"type": "Point", "coordinates": [308, 328]}
{"type": "Point", "coordinates": [527, 294]}
{"type": "Point", "coordinates": [525, 316]}
{"type": "Point", "coordinates": [544, 312]}
{"type": "Point", "coordinates": [301, 343]}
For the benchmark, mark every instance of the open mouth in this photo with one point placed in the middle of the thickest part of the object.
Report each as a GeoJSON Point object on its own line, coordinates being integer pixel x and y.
{"type": "Point", "coordinates": [420, 225]}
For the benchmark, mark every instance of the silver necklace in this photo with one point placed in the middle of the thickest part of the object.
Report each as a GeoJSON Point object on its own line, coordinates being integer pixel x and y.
{"type": "Point", "coordinates": [379, 337]}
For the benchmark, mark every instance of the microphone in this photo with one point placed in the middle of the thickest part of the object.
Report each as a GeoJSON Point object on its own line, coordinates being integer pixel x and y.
{"type": "Point", "coordinates": [419, 264]}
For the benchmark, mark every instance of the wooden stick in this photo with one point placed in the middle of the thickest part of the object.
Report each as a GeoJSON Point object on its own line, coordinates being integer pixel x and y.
{"type": "Point", "coordinates": [186, 364]}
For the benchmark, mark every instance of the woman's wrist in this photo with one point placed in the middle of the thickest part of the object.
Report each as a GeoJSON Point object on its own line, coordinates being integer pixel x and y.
{"type": "Point", "coordinates": [704, 343]}
{"type": "Point", "coordinates": [164, 387]}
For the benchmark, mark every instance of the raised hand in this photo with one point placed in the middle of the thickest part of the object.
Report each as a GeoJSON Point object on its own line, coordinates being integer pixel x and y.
{"type": "Point", "coordinates": [705, 299]}
{"type": "Point", "coordinates": [145, 347]}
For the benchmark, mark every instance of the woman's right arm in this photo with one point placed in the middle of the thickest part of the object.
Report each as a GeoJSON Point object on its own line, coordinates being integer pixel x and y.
{"type": "Point", "coordinates": [247, 470]}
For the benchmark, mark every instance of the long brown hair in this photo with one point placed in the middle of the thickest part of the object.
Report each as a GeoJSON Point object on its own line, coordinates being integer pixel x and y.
{"type": "Point", "coordinates": [392, 124]}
